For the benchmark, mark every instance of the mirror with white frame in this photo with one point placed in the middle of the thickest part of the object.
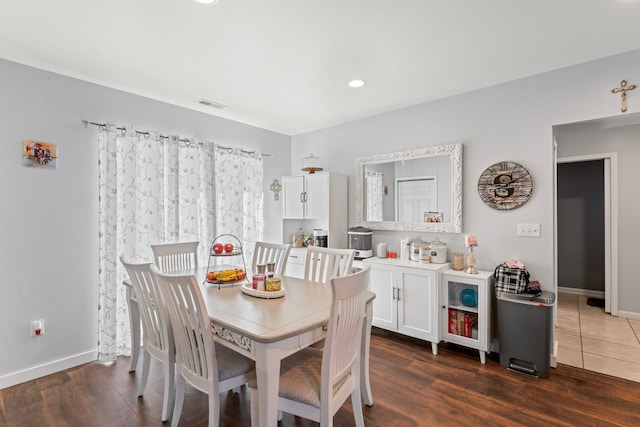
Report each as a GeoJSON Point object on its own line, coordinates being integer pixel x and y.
{"type": "Point", "coordinates": [418, 190]}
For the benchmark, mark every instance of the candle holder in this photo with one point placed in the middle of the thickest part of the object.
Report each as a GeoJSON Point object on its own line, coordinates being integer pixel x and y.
{"type": "Point", "coordinates": [471, 262]}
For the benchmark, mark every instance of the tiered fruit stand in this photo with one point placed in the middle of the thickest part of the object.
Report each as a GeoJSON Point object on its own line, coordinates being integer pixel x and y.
{"type": "Point", "coordinates": [225, 246]}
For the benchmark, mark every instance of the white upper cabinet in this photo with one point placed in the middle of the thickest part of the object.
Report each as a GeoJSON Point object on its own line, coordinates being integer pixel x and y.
{"type": "Point", "coordinates": [315, 201]}
{"type": "Point", "coordinates": [306, 196]}
{"type": "Point", "coordinates": [317, 196]}
{"type": "Point", "coordinates": [293, 189]}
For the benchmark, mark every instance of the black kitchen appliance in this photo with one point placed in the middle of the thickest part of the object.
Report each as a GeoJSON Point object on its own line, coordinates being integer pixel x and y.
{"type": "Point", "coordinates": [320, 237]}
{"type": "Point", "coordinates": [360, 240]}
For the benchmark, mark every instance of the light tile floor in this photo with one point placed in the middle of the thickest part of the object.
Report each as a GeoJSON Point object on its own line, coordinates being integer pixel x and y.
{"type": "Point", "coordinates": [591, 339]}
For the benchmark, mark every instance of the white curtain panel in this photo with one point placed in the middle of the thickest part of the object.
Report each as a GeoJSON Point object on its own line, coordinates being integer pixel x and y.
{"type": "Point", "coordinates": [239, 196]}
{"type": "Point", "coordinates": [373, 191]}
{"type": "Point", "coordinates": [153, 189]}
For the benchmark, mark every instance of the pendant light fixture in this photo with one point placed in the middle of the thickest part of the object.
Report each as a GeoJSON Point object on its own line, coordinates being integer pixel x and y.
{"type": "Point", "coordinates": [311, 164]}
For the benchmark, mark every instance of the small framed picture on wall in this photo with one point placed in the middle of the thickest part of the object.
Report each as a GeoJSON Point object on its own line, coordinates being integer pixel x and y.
{"type": "Point", "coordinates": [38, 154]}
{"type": "Point", "coordinates": [433, 217]}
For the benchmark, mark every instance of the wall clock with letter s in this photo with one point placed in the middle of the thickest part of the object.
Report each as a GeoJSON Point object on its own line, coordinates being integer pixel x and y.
{"type": "Point", "coordinates": [505, 185]}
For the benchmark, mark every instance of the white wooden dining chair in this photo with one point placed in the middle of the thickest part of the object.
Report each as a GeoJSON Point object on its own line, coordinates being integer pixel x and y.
{"type": "Point", "coordinates": [323, 264]}
{"type": "Point", "coordinates": [158, 336]}
{"type": "Point", "coordinates": [207, 366]}
{"type": "Point", "coordinates": [271, 252]}
{"type": "Point", "coordinates": [134, 323]}
{"type": "Point", "coordinates": [314, 383]}
{"type": "Point", "coordinates": [171, 257]}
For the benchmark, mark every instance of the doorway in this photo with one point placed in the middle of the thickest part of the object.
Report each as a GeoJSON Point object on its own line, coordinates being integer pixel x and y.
{"type": "Point", "coordinates": [581, 266]}
{"type": "Point", "coordinates": [584, 227]}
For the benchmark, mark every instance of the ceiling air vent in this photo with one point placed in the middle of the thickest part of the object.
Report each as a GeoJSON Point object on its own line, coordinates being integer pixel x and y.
{"type": "Point", "coordinates": [211, 104]}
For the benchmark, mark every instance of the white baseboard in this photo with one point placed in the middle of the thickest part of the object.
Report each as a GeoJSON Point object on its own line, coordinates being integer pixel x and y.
{"type": "Point", "coordinates": [47, 369]}
{"type": "Point", "coordinates": [629, 314]}
{"type": "Point", "coordinates": [585, 292]}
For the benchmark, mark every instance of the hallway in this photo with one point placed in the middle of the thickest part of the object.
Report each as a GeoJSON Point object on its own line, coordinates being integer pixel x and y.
{"type": "Point", "coordinates": [591, 339]}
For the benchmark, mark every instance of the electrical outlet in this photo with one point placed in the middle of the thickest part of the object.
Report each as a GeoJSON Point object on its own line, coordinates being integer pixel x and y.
{"type": "Point", "coordinates": [528, 230]}
{"type": "Point", "coordinates": [36, 327]}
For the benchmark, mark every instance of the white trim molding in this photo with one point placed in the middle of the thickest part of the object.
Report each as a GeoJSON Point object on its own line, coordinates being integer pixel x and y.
{"type": "Point", "coordinates": [47, 369]}
{"type": "Point", "coordinates": [611, 224]}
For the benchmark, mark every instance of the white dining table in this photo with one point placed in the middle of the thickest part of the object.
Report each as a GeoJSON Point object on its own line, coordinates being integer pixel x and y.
{"type": "Point", "coordinates": [268, 330]}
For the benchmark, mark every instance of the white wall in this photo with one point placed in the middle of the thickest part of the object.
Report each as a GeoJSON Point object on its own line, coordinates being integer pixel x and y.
{"type": "Point", "coordinates": [49, 218]}
{"type": "Point", "coordinates": [512, 121]}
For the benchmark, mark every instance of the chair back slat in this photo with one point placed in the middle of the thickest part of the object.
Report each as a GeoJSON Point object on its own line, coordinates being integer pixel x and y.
{"type": "Point", "coordinates": [171, 257]}
{"type": "Point", "coordinates": [192, 330]}
{"type": "Point", "coordinates": [323, 264]}
{"type": "Point", "coordinates": [341, 355]}
{"type": "Point", "coordinates": [155, 322]}
{"type": "Point", "coordinates": [271, 252]}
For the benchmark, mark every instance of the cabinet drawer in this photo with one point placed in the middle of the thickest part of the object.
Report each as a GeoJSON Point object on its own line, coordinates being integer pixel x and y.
{"type": "Point", "coordinates": [295, 263]}
{"type": "Point", "coordinates": [297, 256]}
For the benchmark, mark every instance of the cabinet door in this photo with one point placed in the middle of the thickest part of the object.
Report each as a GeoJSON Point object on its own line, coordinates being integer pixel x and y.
{"type": "Point", "coordinates": [464, 312]}
{"type": "Point", "coordinates": [292, 196]}
{"type": "Point", "coordinates": [385, 307]}
{"type": "Point", "coordinates": [417, 302]}
{"type": "Point", "coordinates": [317, 196]}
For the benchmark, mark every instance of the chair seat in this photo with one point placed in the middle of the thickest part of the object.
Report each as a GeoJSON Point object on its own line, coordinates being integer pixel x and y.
{"type": "Point", "coordinates": [231, 363]}
{"type": "Point", "coordinates": [300, 376]}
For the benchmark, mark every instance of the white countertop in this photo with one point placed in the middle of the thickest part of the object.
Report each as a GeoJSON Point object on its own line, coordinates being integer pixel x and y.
{"type": "Point", "coordinates": [397, 262]}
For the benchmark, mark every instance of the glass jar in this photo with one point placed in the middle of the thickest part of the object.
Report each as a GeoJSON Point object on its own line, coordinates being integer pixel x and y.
{"type": "Point", "coordinates": [271, 267]}
{"type": "Point", "coordinates": [273, 284]}
{"type": "Point", "coordinates": [258, 279]}
{"type": "Point", "coordinates": [416, 244]}
{"type": "Point", "coordinates": [425, 254]}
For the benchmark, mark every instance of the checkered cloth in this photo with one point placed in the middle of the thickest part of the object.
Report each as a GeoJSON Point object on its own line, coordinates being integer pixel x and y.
{"type": "Point", "coordinates": [514, 280]}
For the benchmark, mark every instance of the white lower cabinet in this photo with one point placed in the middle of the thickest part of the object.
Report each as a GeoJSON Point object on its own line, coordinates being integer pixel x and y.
{"type": "Point", "coordinates": [406, 297]}
{"type": "Point", "coordinates": [465, 309]}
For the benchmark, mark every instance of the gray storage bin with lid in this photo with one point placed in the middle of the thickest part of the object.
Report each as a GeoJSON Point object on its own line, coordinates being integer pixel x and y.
{"type": "Point", "coordinates": [524, 331]}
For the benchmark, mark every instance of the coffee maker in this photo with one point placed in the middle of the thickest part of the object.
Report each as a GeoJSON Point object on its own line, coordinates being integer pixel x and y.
{"type": "Point", "coordinates": [360, 240]}
{"type": "Point", "coordinates": [320, 237]}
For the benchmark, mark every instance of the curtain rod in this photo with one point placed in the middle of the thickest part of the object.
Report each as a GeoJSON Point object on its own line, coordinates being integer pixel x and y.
{"type": "Point", "coordinates": [146, 134]}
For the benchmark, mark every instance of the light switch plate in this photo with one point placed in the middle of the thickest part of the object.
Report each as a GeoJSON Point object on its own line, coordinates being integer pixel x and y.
{"type": "Point", "coordinates": [528, 230]}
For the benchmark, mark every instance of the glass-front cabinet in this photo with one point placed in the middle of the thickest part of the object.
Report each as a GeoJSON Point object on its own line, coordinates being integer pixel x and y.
{"type": "Point", "coordinates": [465, 317]}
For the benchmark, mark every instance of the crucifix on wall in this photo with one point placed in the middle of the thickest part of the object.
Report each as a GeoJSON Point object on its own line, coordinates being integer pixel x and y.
{"type": "Point", "coordinates": [624, 87]}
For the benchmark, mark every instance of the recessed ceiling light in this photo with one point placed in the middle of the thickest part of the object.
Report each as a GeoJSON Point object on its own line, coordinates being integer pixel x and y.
{"type": "Point", "coordinates": [356, 83]}
{"type": "Point", "coordinates": [208, 1]}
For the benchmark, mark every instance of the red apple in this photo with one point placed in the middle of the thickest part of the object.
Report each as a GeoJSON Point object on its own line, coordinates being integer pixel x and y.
{"type": "Point", "coordinates": [218, 248]}
{"type": "Point", "coordinates": [228, 248]}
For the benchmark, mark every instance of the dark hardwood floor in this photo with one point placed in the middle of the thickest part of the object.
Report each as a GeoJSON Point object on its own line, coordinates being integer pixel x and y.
{"type": "Point", "coordinates": [411, 387]}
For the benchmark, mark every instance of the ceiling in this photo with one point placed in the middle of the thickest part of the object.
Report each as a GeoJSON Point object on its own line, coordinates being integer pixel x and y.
{"type": "Point", "coordinates": [284, 65]}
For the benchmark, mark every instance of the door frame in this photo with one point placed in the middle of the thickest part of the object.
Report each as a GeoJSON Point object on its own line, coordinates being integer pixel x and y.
{"type": "Point", "coordinates": [610, 226]}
